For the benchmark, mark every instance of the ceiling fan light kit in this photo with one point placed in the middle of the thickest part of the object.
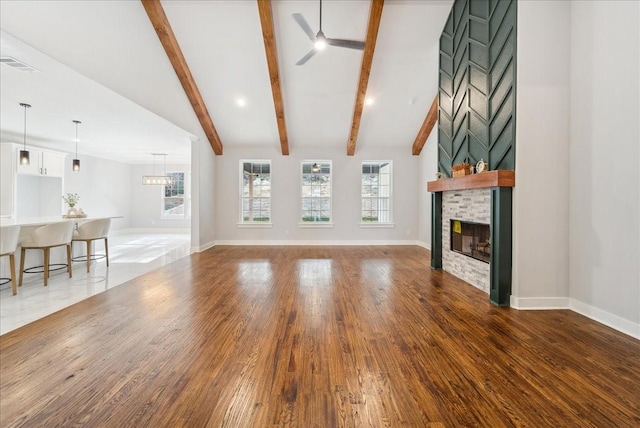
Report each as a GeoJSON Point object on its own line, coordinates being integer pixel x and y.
{"type": "Point", "coordinates": [320, 41]}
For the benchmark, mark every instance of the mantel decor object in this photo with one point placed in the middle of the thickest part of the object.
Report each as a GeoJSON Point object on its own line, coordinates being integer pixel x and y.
{"type": "Point", "coordinates": [461, 169]}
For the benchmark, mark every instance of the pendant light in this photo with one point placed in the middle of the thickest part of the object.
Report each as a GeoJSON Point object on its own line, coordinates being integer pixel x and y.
{"type": "Point", "coordinates": [157, 179]}
{"type": "Point", "coordinates": [24, 153]}
{"type": "Point", "coordinates": [315, 168]}
{"type": "Point", "coordinates": [76, 161]}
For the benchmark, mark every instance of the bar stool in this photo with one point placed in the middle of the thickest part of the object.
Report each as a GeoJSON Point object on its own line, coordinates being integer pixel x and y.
{"type": "Point", "coordinates": [45, 238]}
{"type": "Point", "coordinates": [91, 231]}
{"type": "Point", "coordinates": [8, 244]}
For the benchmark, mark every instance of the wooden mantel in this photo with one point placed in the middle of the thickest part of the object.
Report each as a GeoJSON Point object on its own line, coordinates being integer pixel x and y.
{"type": "Point", "coordinates": [497, 178]}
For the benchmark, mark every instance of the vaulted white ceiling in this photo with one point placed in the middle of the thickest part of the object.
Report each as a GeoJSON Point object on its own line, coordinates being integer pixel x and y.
{"type": "Point", "coordinates": [101, 62]}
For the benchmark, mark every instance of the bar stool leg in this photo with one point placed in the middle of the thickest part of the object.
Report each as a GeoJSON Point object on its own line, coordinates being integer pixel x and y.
{"type": "Point", "coordinates": [106, 250]}
{"type": "Point", "coordinates": [70, 269]}
{"type": "Point", "coordinates": [88, 255]}
{"type": "Point", "coordinates": [46, 266]}
{"type": "Point", "coordinates": [21, 266]}
{"type": "Point", "coordinates": [12, 260]}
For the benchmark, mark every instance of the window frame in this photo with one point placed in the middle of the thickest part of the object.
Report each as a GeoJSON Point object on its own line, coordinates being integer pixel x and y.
{"type": "Point", "coordinates": [241, 197]}
{"type": "Point", "coordinates": [315, 224]}
{"type": "Point", "coordinates": [186, 197]}
{"type": "Point", "coordinates": [377, 223]}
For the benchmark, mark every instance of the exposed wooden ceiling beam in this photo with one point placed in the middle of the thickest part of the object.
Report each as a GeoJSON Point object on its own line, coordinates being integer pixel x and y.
{"type": "Point", "coordinates": [161, 24]}
{"type": "Point", "coordinates": [268, 36]}
{"type": "Point", "coordinates": [427, 127]}
{"type": "Point", "coordinates": [367, 59]}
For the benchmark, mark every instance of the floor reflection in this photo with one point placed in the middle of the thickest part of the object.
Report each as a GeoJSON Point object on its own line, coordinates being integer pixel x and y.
{"type": "Point", "coordinates": [130, 255]}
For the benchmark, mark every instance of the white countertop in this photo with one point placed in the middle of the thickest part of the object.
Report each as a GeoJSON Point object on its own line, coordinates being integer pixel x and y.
{"type": "Point", "coordinates": [39, 221]}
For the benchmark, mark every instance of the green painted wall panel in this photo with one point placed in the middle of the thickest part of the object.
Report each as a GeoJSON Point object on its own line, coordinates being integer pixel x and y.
{"type": "Point", "coordinates": [477, 85]}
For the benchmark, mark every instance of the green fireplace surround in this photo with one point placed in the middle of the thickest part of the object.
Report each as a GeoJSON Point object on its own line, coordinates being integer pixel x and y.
{"type": "Point", "coordinates": [501, 183]}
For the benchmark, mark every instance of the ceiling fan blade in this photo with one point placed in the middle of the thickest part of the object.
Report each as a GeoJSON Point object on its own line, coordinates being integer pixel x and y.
{"type": "Point", "coordinates": [342, 43]}
{"type": "Point", "coordinates": [308, 56]}
{"type": "Point", "coordinates": [304, 25]}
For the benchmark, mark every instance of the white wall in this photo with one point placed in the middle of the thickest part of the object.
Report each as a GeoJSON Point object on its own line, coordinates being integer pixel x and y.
{"type": "Point", "coordinates": [605, 182]}
{"type": "Point", "coordinates": [146, 200]}
{"type": "Point", "coordinates": [104, 188]}
{"type": "Point", "coordinates": [346, 197]}
{"type": "Point", "coordinates": [541, 194]}
{"type": "Point", "coordinates": [428, 166]}
{"type": "Point", "coordinates": [203, 163]}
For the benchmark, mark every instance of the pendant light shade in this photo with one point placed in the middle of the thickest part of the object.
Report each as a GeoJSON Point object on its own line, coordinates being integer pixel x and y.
{"type": "Point", "coordinates": [24, 153]}
{"type": "Point", "coordinates": [157, 179]}
{"type": "Point", "coordinates": [75, 166]}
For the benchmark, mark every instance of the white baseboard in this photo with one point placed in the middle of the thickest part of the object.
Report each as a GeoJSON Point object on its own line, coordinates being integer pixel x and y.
{"type": "Point", "coordinates": [424, 245]}
{"type": "Point", "coordinates": [203, 247]}
{"type": "Point", "coordinates": [539, 303]}
{"type": "Point", "coordinates": [603, 317]}
{"type": "Point", "coordinates": [621, 324]}
{"type": "Point", "coordinates": [151, 231]}
{"type": "Point", "coordinates": [313, 242]}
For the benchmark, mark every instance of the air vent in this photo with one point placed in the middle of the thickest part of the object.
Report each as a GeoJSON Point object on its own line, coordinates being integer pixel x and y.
{"type": "Point", "coordinates": [18, 65]}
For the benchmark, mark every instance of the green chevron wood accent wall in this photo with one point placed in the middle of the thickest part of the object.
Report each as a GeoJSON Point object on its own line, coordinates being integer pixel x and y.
{"type": "Point", "coordinates": [478, 85]}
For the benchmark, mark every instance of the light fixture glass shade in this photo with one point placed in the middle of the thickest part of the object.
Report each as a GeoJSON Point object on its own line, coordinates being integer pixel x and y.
{"type": "Point", "coordinates": [24, 157]}
{"type": "Point", "coordinates": [321, 42]}
{"type": "Point", "coordinates": [156, 179]}
{"type": "Point", "coordinates": [76, 165]}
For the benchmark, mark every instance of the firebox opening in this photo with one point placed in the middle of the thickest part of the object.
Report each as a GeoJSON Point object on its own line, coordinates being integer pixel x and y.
{"type": "Point", "coordinates": [471, 239]}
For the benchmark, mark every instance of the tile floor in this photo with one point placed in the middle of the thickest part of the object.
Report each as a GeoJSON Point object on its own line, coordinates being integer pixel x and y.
{"type": "Point", "coordinates": [130, 255]}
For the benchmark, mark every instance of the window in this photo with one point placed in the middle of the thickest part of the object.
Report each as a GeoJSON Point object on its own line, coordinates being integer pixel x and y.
{"type": "Point", "coordinates": [176, 201]}
{"type": "Point", "coordinates": [316, 192]}
{"type": "Point", "coordinates": [255, 191]}
{"type": "Point", "coordinates": [376, 192]}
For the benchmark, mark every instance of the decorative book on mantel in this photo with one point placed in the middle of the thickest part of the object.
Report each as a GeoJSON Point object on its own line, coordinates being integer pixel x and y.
{"type": "Point", "coordinates": [461, 169]}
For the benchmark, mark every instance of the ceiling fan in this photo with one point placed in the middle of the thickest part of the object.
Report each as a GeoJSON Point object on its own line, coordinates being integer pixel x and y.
{"type": "Point", "coordinates": [320, 41]}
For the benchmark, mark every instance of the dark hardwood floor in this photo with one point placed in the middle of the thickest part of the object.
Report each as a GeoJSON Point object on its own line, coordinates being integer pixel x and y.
{"type": "Point", "coordinates": [313, 337]}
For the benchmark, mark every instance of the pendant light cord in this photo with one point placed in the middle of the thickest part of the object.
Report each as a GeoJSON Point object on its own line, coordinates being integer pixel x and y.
{"type": "Point", "coordinates": [25, 126]}
{"type": "Point", "coordinates": [76, 138]}
{"type": "Point", "coordinates": [321, 16]}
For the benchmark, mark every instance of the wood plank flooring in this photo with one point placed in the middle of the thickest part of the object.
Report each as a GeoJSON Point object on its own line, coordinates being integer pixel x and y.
{"type": "Point", "coordinates": [313, 337]}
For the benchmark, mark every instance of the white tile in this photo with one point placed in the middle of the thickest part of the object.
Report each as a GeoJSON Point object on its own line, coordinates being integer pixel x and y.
{"type": "Point", "coordinates": [130, 256]}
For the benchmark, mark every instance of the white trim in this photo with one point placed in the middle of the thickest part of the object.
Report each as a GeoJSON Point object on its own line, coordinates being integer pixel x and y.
{"type": "Point", "coordinates": [603, 317]}
{"type": "Point", "coordinates": [302, 198]}
{"type": "Point", "coordinates": [150, 231]}
{"type": "Point", "coordinates": [255, 225]}
{"type": "Point", "coordinates": [316, 225]}
{"type": "Point", "coordinates": [377, 225]}
{"type": "Point", "coordinates": [390, 197]}
{"type": "Point", "coordinates": [203, 247]}
{"type": "Point", "coordinates": [423, 244]}
{"type": "Point", "coordinates": [241, 196]}
{"type": "Point", "coordinates": [313, 242]}
{"type": "Point", "coordinates": [539, 303]}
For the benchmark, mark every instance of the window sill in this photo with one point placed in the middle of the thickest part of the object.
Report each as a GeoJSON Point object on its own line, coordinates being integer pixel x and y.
{"type": "Point", "coordinates": [311, 225]}
{"type": "Point", "coordinates": [255, 225]}
{"type": "Point", "coordinates": [377, 225]}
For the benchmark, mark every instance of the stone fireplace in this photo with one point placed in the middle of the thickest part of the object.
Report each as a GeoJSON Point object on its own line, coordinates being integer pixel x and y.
{"type": "Point", "coordinates": [482, 199]}
{"type": "Point", "coordinates": [470, 207]}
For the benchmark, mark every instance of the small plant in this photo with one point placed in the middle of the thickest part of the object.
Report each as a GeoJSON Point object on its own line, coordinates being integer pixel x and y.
{"type": "Point", "coordinates": [71, 199]}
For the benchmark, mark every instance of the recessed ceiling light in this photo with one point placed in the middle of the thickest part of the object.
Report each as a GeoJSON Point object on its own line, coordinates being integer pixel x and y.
{"type": "Point", "coordinates": [369, 101]}
{"type": "Point", "coordinates": [241, 102]}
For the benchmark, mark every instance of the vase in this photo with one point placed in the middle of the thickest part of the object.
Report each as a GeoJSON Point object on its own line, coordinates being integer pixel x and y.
{"type": "Point", "coordinates": [72, 211]}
